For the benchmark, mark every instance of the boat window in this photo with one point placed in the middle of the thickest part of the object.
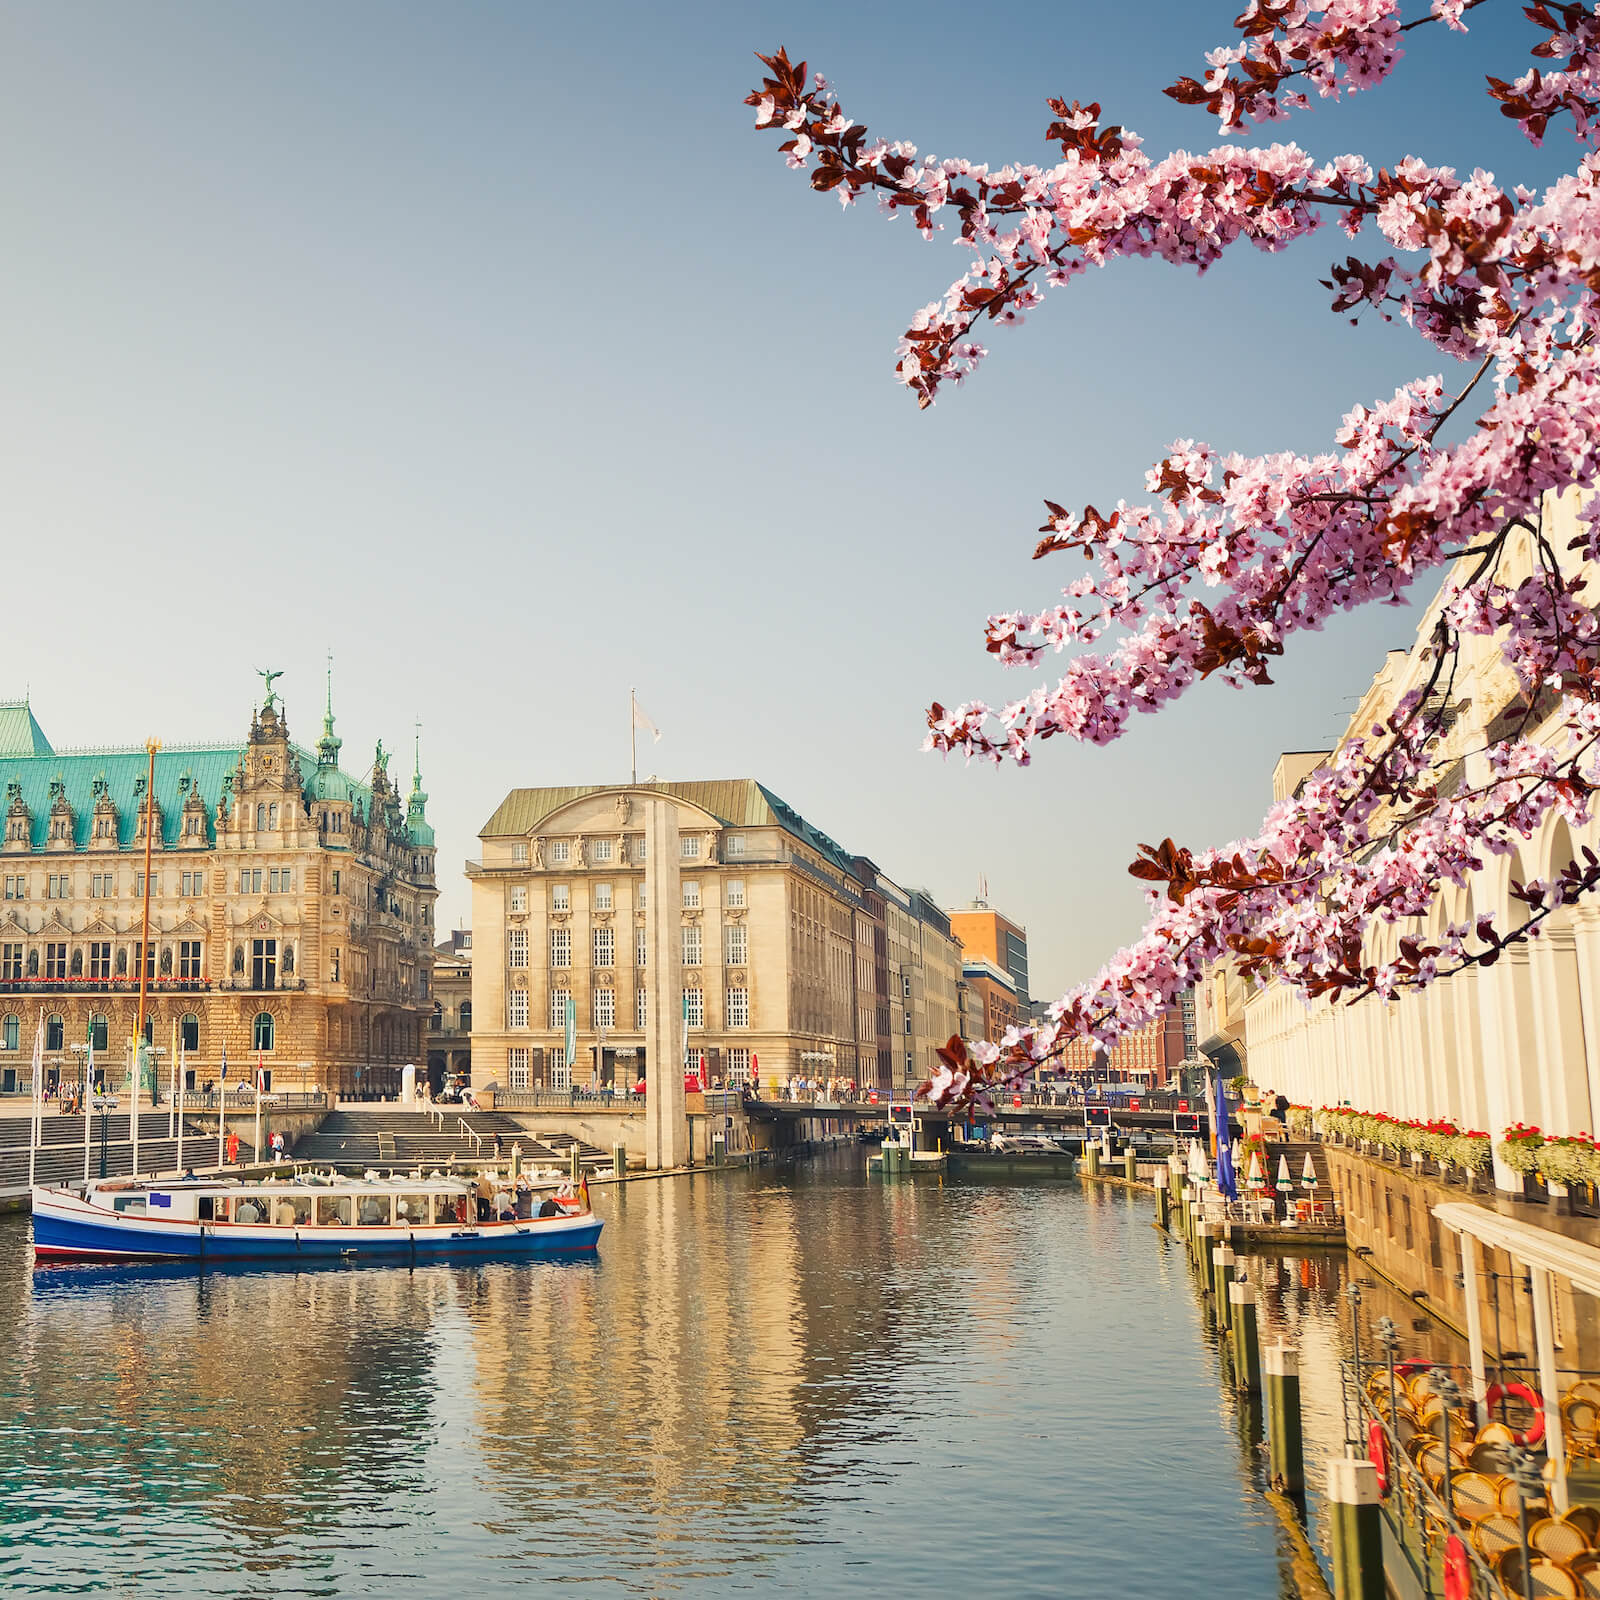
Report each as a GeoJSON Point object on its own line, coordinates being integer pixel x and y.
{"type": "Point", "coordinates": [412, 1209]}
{"type": "Point", "coordinates": [208, 1208]}
{"type": "Point", "coordinates": [291, 1210]}
{"type": "Point", "coordinates": [248, 1209]}
{"type": "Point", "coordinates": [135, 1203]}
{"type": "Point", "coordinates": [373, 1211]}
{"type": "Point", "coordinates": [450, 1208]}
{"type": "Point", "coordinates": [333, 1211]}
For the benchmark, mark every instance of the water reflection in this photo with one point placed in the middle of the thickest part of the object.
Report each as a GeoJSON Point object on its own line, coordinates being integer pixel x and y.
{"type": "Point", "coordinates": [799, 1379]}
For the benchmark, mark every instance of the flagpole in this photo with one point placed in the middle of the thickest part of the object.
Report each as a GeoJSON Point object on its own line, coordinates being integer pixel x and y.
{"type": "Point", "coordinates": [222, 1109]}
{"type": "Point", "coordinates": [256, 1147]}
{"type": "Point", "coordinates": [138, 1047]}
{"type": "Point", "coordinates": [172, 1096]}
{"type": "Point", "coordinates": [83, 1095]}
{"type": "Point", "coordinates": [633, 736]}
{"type": "Point", "coordinates": [179, 1073]}
{"type": "Point", "coordinates": [36, 1121]}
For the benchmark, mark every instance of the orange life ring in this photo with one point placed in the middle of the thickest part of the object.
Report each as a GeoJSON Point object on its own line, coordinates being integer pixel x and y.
{"type": "Point", "coordinates": [1534, 1433]}
{"type": "Point", "coordinates": [1378, 1454]}
{"type": "Point", "coordinates": [1457, 1570]}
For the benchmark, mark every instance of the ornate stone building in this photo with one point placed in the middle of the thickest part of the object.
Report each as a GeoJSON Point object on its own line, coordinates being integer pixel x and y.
{"type": "Point", "coordinates": [779, 943]}
{"type": "Point", "coordinates": [291, 907]}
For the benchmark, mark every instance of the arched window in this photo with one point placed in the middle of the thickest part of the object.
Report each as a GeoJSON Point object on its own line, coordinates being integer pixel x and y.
{"type": "Point", "coordinates": [54, 1033]}
{"type": "Point", "coordinates": [10, 1031]}
{"type": "Point", "coordinates": [272, 817]}
{"type": "Point", "coordinates": [238, 960]}
{"type": "Point", "coordinates": [288, 960]}
{"type": "Point", "coordinates": [99, 1032]}
{"type": "Point", "coordinates": [261, 819]}
{"type": "Point", "coordinates": [466, 1016]}
{"type": "Point", "coordinates": [189, 1032]}
{"type": "Point", "coordinates": [263, 1031]}
{"type": "Point", "coordinates": [436, 1019]}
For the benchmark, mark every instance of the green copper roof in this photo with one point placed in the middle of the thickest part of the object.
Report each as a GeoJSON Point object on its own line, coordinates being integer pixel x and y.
{"type": "Point", "coordinates": [735, 802]}
{"type": "Point", "coordinates": [20, 735]}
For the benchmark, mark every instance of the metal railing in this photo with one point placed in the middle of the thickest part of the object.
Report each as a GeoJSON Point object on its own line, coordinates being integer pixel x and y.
{"type": "Point", "coordinates": [472, 1133]}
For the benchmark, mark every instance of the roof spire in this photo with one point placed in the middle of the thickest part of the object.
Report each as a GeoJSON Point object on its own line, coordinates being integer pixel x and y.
{"type": "Point", "coordinates": [329, 745]}
{"type": "Point", "coordinates": [419, 798]}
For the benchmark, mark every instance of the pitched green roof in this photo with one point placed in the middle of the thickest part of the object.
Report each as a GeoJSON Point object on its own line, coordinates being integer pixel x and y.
{"type": "Point", "coordinates": [20, 735]}
{"type": "Point", "coordinates": [735, 802]}
{"type": "Point", "coordinates": [180, 770]}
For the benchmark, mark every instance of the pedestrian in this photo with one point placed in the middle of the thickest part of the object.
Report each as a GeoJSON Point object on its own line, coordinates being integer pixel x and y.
{"type": "Point", "coordinates": [233, 1149]}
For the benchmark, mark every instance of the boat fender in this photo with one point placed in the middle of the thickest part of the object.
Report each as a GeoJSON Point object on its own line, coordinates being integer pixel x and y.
{"type": "Point", "coordinates": [1378, 1454]}
{"type": "Point", "coordinates": [1457, 1570]}
{"type": "Point", "coordinates": [1534, 1432]}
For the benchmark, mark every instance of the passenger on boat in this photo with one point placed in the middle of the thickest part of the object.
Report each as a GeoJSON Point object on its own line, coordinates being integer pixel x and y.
{"type": "Point", "coordinates": [247, 1212]}
{"type": "Point", "coordinates": [549, 1208]}
{"type": "Point", "coordinates": [504, 1205]}
{"type": "Point", "coordinates": [285, 1214]}
{"type": "Point", "coordinates": [371, 1212]}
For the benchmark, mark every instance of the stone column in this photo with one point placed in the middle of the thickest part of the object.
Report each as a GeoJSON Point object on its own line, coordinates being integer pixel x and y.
{"type": "Point", "coordinates": [666, 1128]}
{"type": "Point", "coordinates": [1558, 1028]}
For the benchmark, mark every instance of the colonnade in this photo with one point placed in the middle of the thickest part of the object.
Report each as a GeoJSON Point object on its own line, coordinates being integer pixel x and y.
{"type": "Point", "coordinates": [1489, 1046]}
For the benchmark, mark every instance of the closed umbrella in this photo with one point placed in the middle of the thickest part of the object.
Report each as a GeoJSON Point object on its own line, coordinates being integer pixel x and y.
{"type": "Point", "coordinates": [1257, 1178]}
{"type": "Point", "coordinates": [1198, 1170]}
{"type": "Point", "coordinates": [1283, 1172]}
{"type": "Point", "coordinates": [1308, 1173]}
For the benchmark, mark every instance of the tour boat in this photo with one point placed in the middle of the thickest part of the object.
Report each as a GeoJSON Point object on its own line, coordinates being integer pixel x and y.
{"type": "Point", "coordinates": [305, 1217]}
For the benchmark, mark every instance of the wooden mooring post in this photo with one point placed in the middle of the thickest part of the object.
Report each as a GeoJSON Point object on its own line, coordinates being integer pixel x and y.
{"type": "Point", "coordinates": [1285, 1439]}
{"type": "Point", "coordinates": [1353, 1516]}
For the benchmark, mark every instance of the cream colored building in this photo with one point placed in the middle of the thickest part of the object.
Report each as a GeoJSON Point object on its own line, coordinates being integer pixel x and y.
{"type": "Point", "coordinates": [1515, 1042]}
{"type": "Point", "coordinates": [778, 941]}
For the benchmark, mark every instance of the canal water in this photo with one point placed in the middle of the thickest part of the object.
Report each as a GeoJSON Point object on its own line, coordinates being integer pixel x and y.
{"type": "Point", "coordinates": [793, 1379]}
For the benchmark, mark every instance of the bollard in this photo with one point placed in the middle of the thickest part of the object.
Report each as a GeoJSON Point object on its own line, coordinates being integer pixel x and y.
{"type": "Point", "coordinates": [573, 1162]}
{"type": "Point", "coordinates": [1163, 1200]}
{"type": "Point", "coordinates": [1357, 1533]}
{"type": "Point", "coordinates": [619, 1160]}
{"type": "Point", "coordinates": [1246, 1344]}
{"type": "Point", "coordinates": [719, 1149]}
{"type": "Point", "coordinates": [1091, 1159]}
{"type": "Point", "coordinates": [1285, 1444]}
{"type": "Point", "coordinates": [1207, 1259]}
{"type": "Point", "coordinates": [1222, 1261]}
{"type": "Point", "coordinates": [1130, 1164]}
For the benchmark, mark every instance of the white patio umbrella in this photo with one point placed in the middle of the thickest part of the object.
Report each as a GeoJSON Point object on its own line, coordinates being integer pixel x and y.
{"type": "Point", "coordinates": [1257, 1178]}
{"type": "Point", "coordinates": [1308, 1173]}
{"type": "Point", "coordinates": [1283, 1172]}
{"type": "Point", "coordinates": [1199, 1169]}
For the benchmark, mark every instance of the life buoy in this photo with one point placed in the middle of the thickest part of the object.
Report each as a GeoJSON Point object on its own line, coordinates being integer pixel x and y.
{"type": "Point", "coordinates": [1378, 1454]}
{"type": "Point", "coordinates": [1457, 1570]}
{"type": "Point", "coordinates": [1534, 1432]}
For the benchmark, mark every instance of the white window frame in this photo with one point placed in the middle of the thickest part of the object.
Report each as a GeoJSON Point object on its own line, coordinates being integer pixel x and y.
{"type": "Point", "coordinates": [689, 847]}
{"type": "Point", "coordinates": [641, 1008]}
{"type": "Point", "coordinates": [691, 894]}
{"type": "Point", "coordinates": [517, 1067]}
{"type": "Point", "coordinates": [604, 947]}
{"type": "Point", "coordinates": [693, 946]}
{"type": "Point", "coordinates": [602, 850]}
{"type": "Point", "coordinates": [519, 854]}
{"type": "Point", "coordinates": [519, 898]}
{"type": "Point", "coordinates": [694, 1008]}
{"type": "Point", "coordinates": [560, 850]}
{"type": "Point", "coordinates": [641, 947]}
{"type": "Point", "coordinates": [516, 1008]}
{"type": "Point", "coordinates": [560, 897]}
{"type": "Point", "coordinates": [733, 893]}
{"type": "Point", "coordinates": [517, 948]}
{"type": "Point", "coordinates": [735, 934]}
{"type": "Point", "coordinates": [735, 842]}
{"type": "Point", "coordinates": [558, 1010]}
{"type": "Point", "coordinates": [605, 1008]}
{"type": "Point", "coordinates": [602, 897]}
{"type": "Point", "coordinates": [738, 1008]}
{"type": "Point", "coordinates": [561, 947]}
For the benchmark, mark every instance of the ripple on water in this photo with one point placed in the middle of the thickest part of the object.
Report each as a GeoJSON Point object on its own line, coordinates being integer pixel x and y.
{"type": "Point", "coordinates": [805, 1381]}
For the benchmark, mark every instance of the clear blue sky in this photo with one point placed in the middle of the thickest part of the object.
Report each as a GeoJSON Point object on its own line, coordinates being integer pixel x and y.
{"type": "Point", "coordinates": [490, 346]}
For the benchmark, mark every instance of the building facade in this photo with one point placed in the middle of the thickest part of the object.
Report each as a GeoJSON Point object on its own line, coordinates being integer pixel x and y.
{"type": "Point", "coordinates": [291, 908]}
{"type": "Point", "coordinates": [788, 960]}
{"type": "Point", "coordinates": [986, 935]}
{"type": "Point", "coordinates": [450, 1025]}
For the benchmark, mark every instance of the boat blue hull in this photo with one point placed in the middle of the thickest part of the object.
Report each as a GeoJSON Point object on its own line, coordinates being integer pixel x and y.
{"type": "Point", "coordinates": [63, 1238]}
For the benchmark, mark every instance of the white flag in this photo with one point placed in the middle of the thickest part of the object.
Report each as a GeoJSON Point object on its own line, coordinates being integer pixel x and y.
{"type": "Point", "coordinates": [640, 720]}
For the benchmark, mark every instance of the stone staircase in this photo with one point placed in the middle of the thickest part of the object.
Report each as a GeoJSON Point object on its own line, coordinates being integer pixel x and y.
{"type": "Point", "coordinates": [384, 1136]}
{"type": "Point", "coordinates": [60, 1158]}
